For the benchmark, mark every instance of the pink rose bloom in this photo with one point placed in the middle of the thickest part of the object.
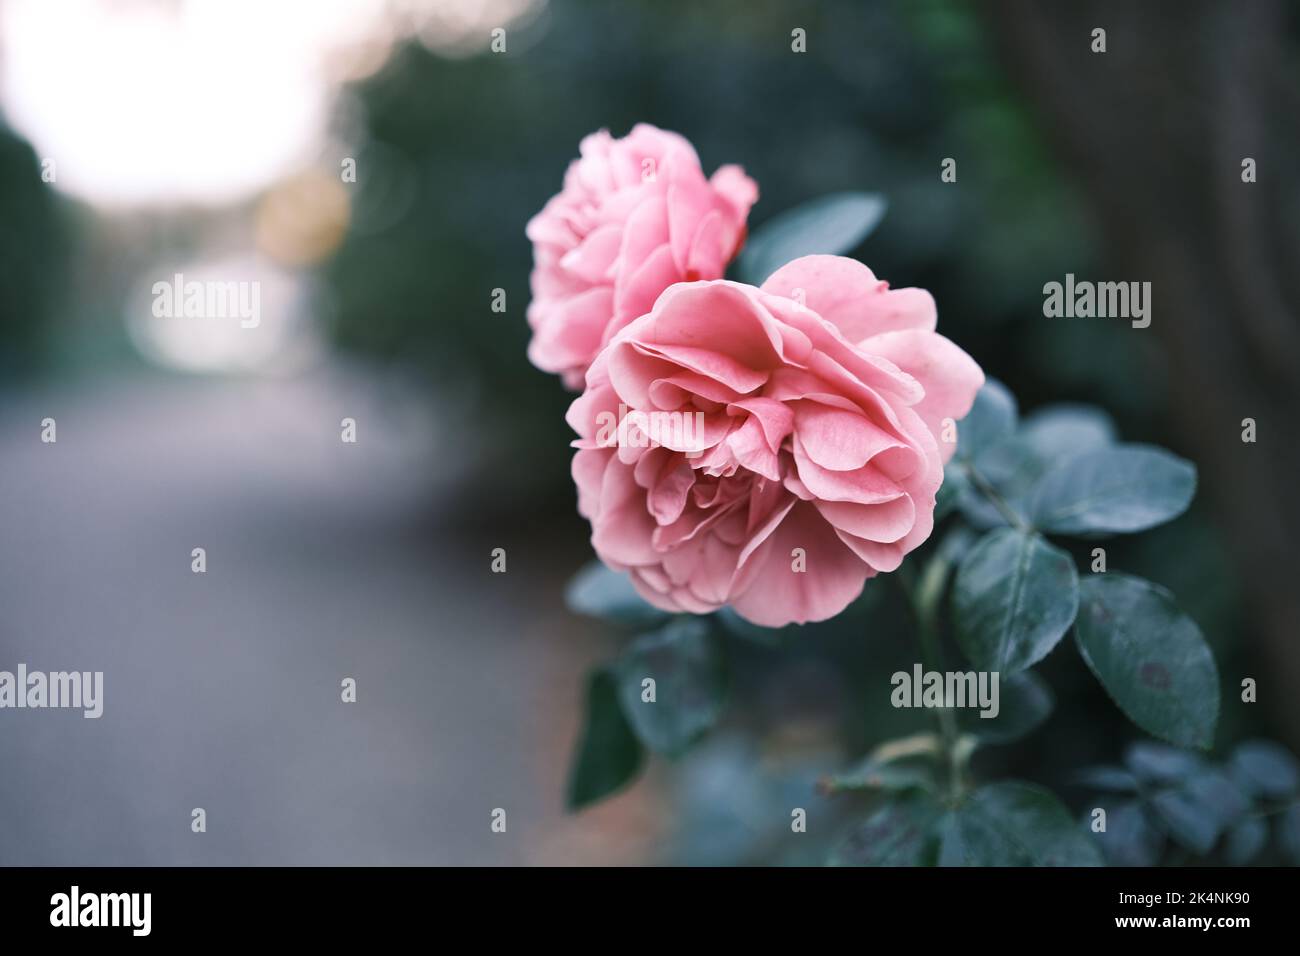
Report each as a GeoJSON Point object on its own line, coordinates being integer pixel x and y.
{"type": "Point", "coordinates": [635, 215]}
{"type": "Point", "coordinates": [821, 399]}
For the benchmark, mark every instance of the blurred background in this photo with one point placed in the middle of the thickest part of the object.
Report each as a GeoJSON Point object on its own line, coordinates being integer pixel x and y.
{"type": "Point", "coordinates": [216, 138]}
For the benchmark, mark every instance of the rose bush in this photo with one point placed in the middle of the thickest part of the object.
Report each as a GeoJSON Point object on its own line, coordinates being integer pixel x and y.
{"type": "Point", "coordinates": [823, 396]}
{"type": "Point", "coordinates": [761, 448]}
{"type": "Point", "coordinates": [635, 215]}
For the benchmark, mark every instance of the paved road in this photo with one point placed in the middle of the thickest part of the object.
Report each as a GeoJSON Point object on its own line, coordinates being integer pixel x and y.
{"type": "Point", "coordinates": [222, 690]}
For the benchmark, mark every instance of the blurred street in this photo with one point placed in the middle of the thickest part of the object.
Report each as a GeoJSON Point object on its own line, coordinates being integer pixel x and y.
{"type": "Point", "coordinates": [222, 689]}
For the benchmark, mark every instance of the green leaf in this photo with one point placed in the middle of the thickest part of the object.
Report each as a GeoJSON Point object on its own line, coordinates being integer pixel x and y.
{"type": "Point", "coordinates": [1014, 463]}
{"type": "Point", "coordinates": [1288, 833]}
{"type": "Point", "coordinates": [599, 591]}
{"type": "Point", "coordinates": [955, 486]}
{"type": "Point", "coordinates": [1012, 468]}
{"type": "Point", "coordinates": [683, 661]}
{"type": "Point", "coordinates": [899, 833]}
{"type": "Point", "coordinates": [1024, 702]}
{"type": "Point", "coordinates": [1196, 811]}
{"type": "Point", "coordinates": [1185, 822]}
{"type": "Point", "coordinates": [1150, 657]}
{"type": "Point", "coordinates": [1113, 490]}
{"type": "Point", "coordinates": [830, 225]}
{"type": "Point", "coordinates": [992, 419]}
{"type": "Point", "coordinates": [1112, 779]}
{"type": "Point", "coordinates": [1058, 431]}
{"type": "Point", "coordinates": [1132, 837]}
{"type": "Point", "coordinates": [1263, 769]}
{"type": "Point", "coordinates": [955, 545]}
{"type": "Point", "coordinates": [1015, 824]}
{"type": "Point", "coordinates": [990, 453]}
{"type": "Point", "coordinates": [1014, 597]}
{"type": "Point", "coordinates": [1245, 840]}
{"type": "Point", "coordinates": [1157, 763]}
{"type": "Point", "coordinates": [609, 756]}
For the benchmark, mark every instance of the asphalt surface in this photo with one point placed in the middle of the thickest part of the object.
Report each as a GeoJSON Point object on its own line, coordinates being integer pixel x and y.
{"type": "Point", "coordinates": [222, 689]}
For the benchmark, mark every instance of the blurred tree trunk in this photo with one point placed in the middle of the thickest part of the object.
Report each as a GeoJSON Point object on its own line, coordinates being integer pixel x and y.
{"type": "Point", "coordinates": [1155, 130]}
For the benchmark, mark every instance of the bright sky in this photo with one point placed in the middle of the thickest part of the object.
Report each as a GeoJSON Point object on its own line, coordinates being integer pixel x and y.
{"type": "Point", "coordinates": [156, 103]}
{"type": "Point", "coordinates": [163, 101]}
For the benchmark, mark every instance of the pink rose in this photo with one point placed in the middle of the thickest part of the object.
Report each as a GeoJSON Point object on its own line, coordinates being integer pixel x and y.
{"type": "Point", "coordinates": [635, 215]}
{"type": "Point", "coordinates": [820, 401]}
